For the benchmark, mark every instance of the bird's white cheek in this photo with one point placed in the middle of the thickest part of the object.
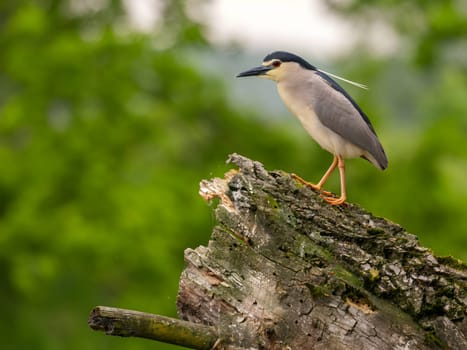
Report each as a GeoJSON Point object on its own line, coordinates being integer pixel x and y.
{"type": "Point", "coordinates": [273, 75]}
{"type": "Point", "coordinates": [267, 76]}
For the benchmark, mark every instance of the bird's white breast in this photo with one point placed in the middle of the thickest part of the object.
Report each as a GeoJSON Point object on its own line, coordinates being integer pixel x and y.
{"type": "Point", "coordinates": [300, 106]}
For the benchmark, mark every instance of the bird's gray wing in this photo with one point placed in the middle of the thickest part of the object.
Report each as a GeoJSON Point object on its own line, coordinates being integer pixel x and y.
{"type": "Point", "coordinates": [339, 112]}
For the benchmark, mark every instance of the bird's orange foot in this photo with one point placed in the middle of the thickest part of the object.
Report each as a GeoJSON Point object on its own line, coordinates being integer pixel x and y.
{"type": "Point", "coordinates": [306, 183]}
{"type": "Point", "coordinates": [327, 194]}
{"type": "Point", "coordinates": [311, 185]}
{"type": "Point", "coordinates": [333, 200]}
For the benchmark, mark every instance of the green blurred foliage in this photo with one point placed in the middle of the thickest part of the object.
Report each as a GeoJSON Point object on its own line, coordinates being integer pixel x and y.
{"type": "Point", "coordinates": [105, 134]}
{"type": "Point", "coordinates": [104, 138]}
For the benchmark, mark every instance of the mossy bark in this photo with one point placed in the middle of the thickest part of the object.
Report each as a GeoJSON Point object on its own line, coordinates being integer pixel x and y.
{"type": "Point", "coordinates": [286, 270]}
{"type": "Point", "coordinates": [130, 323]}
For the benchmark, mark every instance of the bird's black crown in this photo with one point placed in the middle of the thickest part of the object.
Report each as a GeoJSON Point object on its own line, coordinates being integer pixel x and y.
{"type": "Point", "coordinates": [284, 56]}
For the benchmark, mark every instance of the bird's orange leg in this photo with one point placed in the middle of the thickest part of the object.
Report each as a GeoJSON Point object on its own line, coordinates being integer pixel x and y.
{"type": "Point", "coordinates": [323, 180]}
{"type": "Point", "coordinates": [328, 173]}
{"type": "Point", "coordinates": [343, 197]}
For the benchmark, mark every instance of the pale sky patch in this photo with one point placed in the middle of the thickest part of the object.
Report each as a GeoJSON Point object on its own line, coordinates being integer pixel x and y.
{"type": "Point", "coordinates": [305, 27]}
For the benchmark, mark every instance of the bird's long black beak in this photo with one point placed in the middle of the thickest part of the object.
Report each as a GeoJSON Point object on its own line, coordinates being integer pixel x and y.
{"type": "Point", "coordinates": [261, 70]}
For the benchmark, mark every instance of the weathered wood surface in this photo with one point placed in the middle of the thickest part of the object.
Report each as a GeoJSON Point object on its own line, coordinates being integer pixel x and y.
{"type": "Point", "coordinates": [285, 270]}
{"type": "Point", "coordinates": [130, 323]}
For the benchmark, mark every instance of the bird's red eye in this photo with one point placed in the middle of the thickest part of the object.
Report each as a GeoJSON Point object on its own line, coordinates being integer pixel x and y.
{"type": "Point", "coordinates": [276, 64]}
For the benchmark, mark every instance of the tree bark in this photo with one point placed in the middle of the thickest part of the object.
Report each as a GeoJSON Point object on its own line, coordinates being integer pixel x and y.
{"type": "Point", "coordinates": [286, 270]}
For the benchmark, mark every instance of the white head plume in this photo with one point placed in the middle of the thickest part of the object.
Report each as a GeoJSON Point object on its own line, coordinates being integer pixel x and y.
{"type": "Point", "coordinates": [361, 86]}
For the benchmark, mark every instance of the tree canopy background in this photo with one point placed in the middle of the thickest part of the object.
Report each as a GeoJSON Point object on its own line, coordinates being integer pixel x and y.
{"type": "Point", "coordinates": [105, 134]}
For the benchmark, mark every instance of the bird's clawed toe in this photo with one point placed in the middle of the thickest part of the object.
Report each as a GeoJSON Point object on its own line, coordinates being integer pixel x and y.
{"type": "Point", "coordinates": [326, 193]}
{"type": "Point", "coordinates": [334, 200]}
{"type": "Point", "coordinates": [306, 183]}
{"type": "Point", "coordinates": [323, 193]}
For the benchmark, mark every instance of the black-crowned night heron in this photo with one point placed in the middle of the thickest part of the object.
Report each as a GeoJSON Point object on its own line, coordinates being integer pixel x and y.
{"type": "Point", "coordinates": [327, 112]}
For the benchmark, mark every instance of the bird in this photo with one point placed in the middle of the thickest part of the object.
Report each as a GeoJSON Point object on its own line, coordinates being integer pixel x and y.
{"type": "Point", "coordinates": [326, 111]}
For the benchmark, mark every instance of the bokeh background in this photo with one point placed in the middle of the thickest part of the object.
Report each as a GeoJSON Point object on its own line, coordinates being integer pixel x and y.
{"type": "Point", "coordinates": [111, 112]}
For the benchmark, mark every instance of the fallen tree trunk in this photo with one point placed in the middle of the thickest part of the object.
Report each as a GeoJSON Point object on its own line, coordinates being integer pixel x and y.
{"type": "Point", "coordinates": [285, 270]}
